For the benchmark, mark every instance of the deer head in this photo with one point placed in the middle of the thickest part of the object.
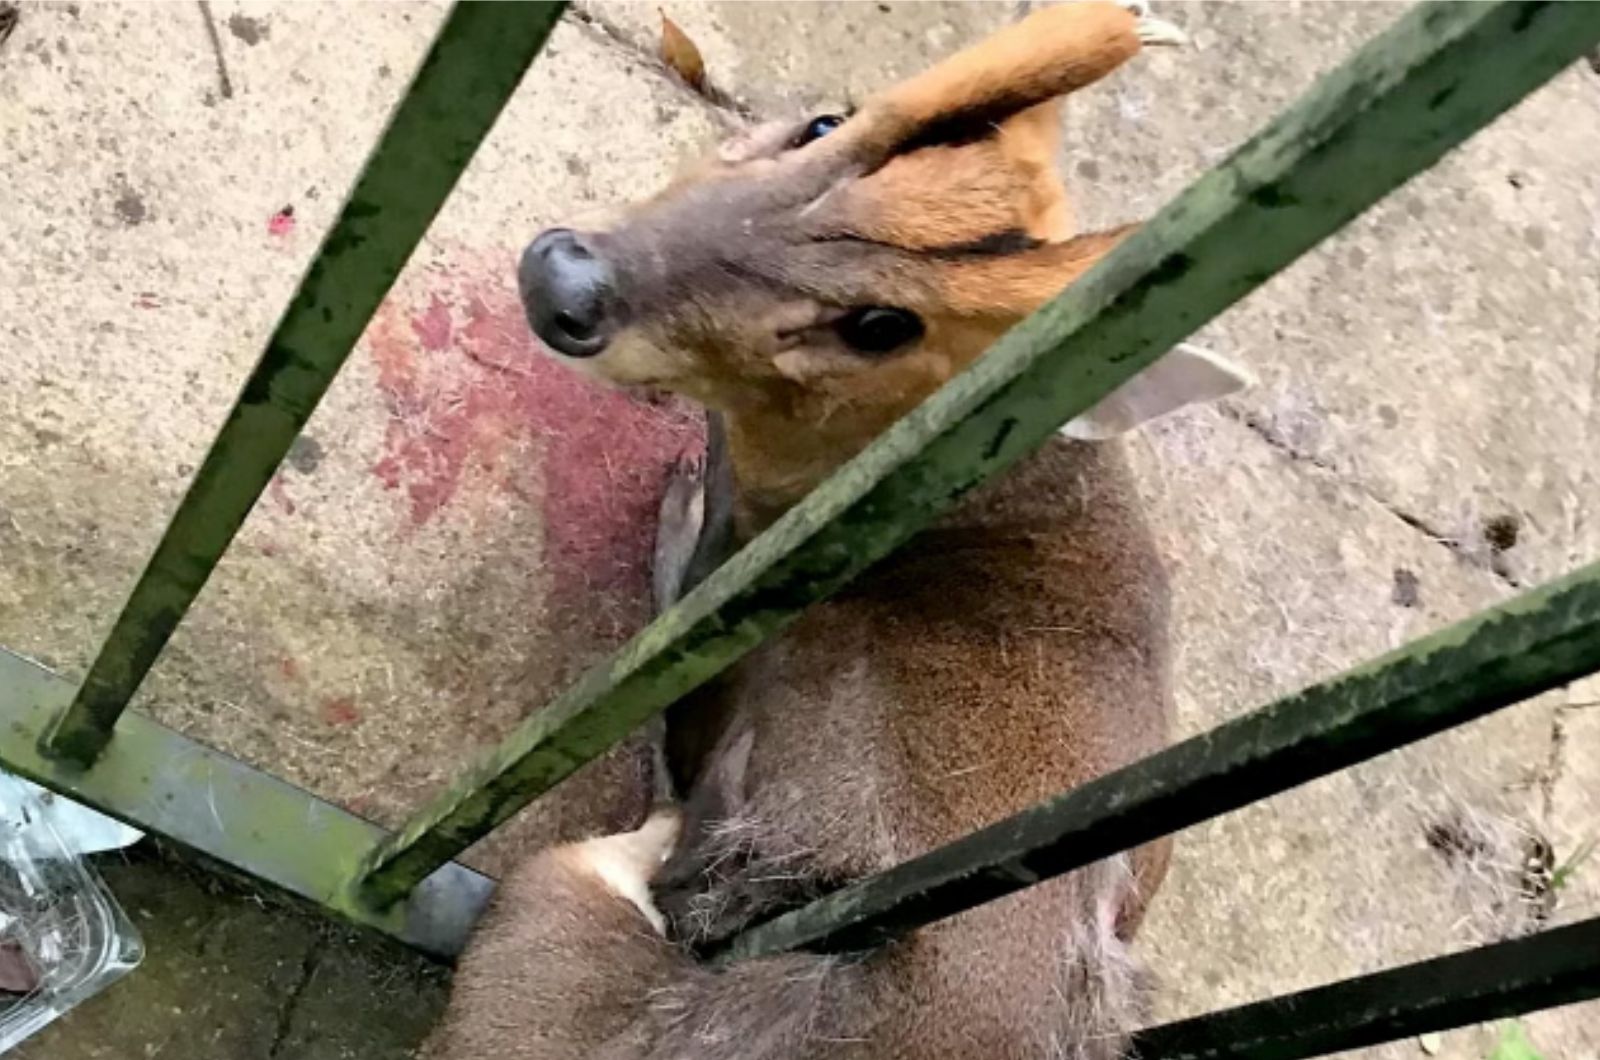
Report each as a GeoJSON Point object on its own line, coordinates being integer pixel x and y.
{"type": "Point", "coordinates": [815, 280]}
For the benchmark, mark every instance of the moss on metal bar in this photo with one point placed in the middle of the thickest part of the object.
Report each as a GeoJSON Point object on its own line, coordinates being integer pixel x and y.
{"type": "Point", "coordinates": [162, 782]}
{"type": "Point", "coordinates": [1559, 966]}
{"type": "Point", "coordinates": [1441, 73]}
{"type": "Point", "coordinates": [1538, 641]}
{"type": "Point", "coordinates": [473, 66]}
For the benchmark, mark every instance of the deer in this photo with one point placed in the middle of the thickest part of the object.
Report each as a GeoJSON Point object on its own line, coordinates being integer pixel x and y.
{"type": "Point", "coordinates": [808, 284]}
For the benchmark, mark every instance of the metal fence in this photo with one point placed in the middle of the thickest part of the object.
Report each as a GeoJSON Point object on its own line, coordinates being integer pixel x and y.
{"type": "Point", "coordinates": [1438, 75]}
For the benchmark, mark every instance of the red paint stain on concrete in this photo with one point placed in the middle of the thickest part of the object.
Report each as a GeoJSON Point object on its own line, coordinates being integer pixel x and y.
{"type": "Point", "coordinates": [279, 492]}
{"type": "Point", "coordinates": [281, 223]}
{"type": "Point", "coordinates": [340, 711]}
{"type": "Point", "coordinates": [433, 326]}
{"type": "Point", "coordinates": [472, 397]}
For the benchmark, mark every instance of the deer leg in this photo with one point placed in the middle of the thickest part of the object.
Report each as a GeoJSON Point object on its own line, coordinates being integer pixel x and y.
{"type": "Point", "coordinates": [680, 519]}
{"type": "Point", "coordinates": [694, 534]}
{"type": "Point", "coordinates": [570, 962]}
{"type": "Point", "coordinates": [570, 945]}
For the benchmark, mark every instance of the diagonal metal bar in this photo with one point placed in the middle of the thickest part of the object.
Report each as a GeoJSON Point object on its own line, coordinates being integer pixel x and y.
{"type": "Point", "coordinates": [161, 781]}
{"type": "Point", "coordinates": [1442, 72]}
{"type": "Point", "coordinates": [1560, 966]}
{"type": "Point", "coordinates": [473, 66]}
{"type": "Point", "coordinates": [1538, 641]}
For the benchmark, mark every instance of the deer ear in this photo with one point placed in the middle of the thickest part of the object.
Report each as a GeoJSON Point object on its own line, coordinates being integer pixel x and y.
{"type": "Point", "coordinates": [1052, 52]}
{"type": "Point", "coordinates": [1185, 375]}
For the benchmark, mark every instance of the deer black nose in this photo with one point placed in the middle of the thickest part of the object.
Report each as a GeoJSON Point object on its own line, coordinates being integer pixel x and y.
{"type": "Point", "coordinates": [567, 292]}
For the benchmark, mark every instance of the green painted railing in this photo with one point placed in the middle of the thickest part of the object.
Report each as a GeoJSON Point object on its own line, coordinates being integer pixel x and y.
{"type": "Point", "coordinates": [1440, 74]}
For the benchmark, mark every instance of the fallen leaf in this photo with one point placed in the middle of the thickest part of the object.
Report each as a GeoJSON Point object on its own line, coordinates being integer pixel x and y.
{"type": "Point", "coordinates": [680, 53]}
{"type": "Point", "coordinates": [1431, 1043]}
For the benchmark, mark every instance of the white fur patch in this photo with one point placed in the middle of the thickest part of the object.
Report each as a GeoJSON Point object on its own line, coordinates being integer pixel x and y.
{"type": "Point", "coordinates": [626, 863]}
{"type": "Point", "coordinates": [1185, 375]}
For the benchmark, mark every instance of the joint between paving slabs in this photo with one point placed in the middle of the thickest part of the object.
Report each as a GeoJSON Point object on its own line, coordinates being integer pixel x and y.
{"type": "Point", "coordinates": [601, 29]}
{"type": "Point", "coordinates": [1274, 439]}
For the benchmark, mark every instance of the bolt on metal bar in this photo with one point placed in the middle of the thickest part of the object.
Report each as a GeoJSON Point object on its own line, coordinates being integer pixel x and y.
{"type": "Point", "coordinates": [1442, 72]}
{"type": "Point", "coordinates": [473, 66]}
{"type": "Point", "coordinates": [1560, 966]}
{"type": "Point", "coordinates": [1538, 641]}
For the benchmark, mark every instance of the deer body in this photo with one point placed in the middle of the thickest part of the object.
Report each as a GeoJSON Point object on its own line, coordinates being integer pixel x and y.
{"type": "Point", "coordinates": [1014, 650]}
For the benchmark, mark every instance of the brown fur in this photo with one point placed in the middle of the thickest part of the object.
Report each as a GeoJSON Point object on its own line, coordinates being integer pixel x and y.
{"type": "Point", "coordinates": [560, 983]}
{"type": "Point", "coordinates": [1015, 650]}
{"type": "Point", "coordinates": [1051, 54]}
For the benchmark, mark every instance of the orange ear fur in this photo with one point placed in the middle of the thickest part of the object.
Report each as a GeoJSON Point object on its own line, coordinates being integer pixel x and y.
{"type": "Point", "coordinates": [1051, 53]}
{"type": "Point", "coordinates": [1014, 285]}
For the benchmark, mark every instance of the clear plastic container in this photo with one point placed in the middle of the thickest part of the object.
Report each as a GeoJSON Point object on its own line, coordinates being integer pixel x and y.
{"type": "Point", "coordinates": [62, 936]}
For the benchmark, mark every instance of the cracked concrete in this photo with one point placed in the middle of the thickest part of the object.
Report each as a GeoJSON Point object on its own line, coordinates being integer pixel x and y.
{"type": "Point", "coordinates": [1422, 442]}
{"type": "Point", "coordinates": [228, 975]}
{"type": "Point", "coordinates": [1437, 351]}
{"type": "Point", "coordinates": [1284, 573]}
{"type": "Point", "coordinates": [291, 1003]}
{"type": "Point", "coordinates": [1486, 546]}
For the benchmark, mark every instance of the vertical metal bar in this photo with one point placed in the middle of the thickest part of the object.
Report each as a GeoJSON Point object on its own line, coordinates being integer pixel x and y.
{"type": "Point", "coordinates": [1442, 72]}
{"type": "Point", "coordinates": [1540, 640]}
{"type": "Point", "coordinates": [1560, 966]}
{"type": "Point", "coordinates": [471, 69]}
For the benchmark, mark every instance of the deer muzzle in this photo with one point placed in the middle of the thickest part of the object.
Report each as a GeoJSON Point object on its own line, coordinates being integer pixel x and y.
{"type": "Point", "coordinates": [569, 293]}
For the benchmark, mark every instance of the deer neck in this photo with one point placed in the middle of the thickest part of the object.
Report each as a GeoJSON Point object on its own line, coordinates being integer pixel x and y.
{"type": "Point", "coordinates": [777, 459]}
{"type": "Point", "coordinates": [776, 462]}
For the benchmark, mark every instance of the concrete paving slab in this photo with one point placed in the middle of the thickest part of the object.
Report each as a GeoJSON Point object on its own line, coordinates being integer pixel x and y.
{"type": "Point", "coordinates": [1439, 352]}
{"type": "Point", "coordinates": [398, 599]}
{"type": "Point", "coordinates": [362, 999]}
{"type": "Point", "coordinates": [228, 975]}
{"type": "Point", "coordinates": [784, 59]}
{"type": "Point", "coordinates": [1285, 574]}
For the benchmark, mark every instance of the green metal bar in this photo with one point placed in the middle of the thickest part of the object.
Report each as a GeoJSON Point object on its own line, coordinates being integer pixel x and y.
{"type": "Point", "coordinates": [473, 66]}
{"type": "Point", "coordinates": [1442, 72]}
{"type": "Point", "coordinates": [1538, 641]}
{"type": "Point", "coordinates": [1560, 966]}
{"type": "Point", "coordinates": [160, 781]}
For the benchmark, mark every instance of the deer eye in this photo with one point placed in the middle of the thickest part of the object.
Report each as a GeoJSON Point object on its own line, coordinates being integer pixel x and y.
{"type": "Point", "coordinates": [878, 329]}
{"type": "Point", "coordinates": [816, 129]}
